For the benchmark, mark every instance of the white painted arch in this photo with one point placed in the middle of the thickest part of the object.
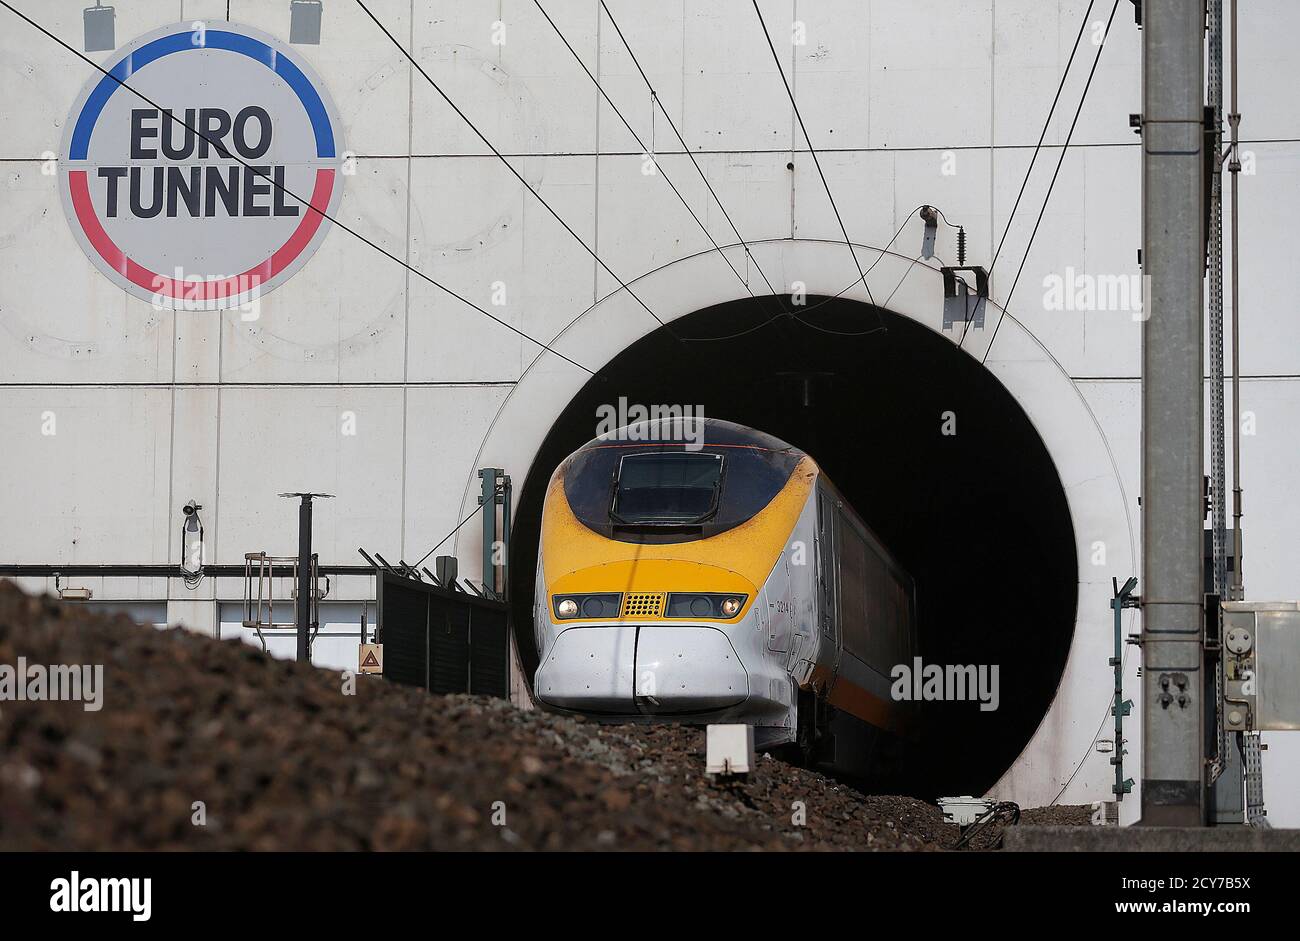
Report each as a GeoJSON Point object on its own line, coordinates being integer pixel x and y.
{"type": "Point", "coordinates": [1060, 763]}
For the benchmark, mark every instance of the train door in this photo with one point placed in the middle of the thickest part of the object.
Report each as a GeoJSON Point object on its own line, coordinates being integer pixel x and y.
{"type": "Point", "coordinates": [827, 569]}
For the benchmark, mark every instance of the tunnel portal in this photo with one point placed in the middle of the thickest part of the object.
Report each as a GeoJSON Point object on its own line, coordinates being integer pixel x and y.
{"type": "Point", "coordinates": [929, 448]}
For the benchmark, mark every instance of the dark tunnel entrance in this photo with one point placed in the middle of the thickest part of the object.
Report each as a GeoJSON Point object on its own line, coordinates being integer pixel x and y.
{"type": "Point", "coordinates": [978, 517]}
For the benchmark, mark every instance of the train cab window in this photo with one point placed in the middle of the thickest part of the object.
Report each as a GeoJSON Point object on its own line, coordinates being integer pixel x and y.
{"type": "Point", "coordinates": [667, 487]}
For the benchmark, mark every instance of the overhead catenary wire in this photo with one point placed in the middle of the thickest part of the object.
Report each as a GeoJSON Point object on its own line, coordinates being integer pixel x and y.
{"type": "Point", "coordinates": [824, 301]}
{"type": "Point", "coordinates": [649, 151]}
{"type": "Point", "coordinates": [658, 102]}
{"type": "Point", "coordinates": [800, 315]}
{"type": "Point", "coordinates": [455, 529]}
{"type": "Point", "coordinates": [816, 162]}
{"type": "Point", "coordinates": [519, 176]}
{"type": "Point", "coordinates": [1033, 158]}
{"type": "Point", "coordinates": [1083, 26]}
{"type": "Point", "coordinates": [797, 315]}
{"type": "Point", "coordinates": [883, 252]}
{"type": "Point", "coordinates": [1052, 185]}
{"type": "Point", "coordinates": [288, 192]}
{"type": "Point", "coordinates": [912, 263]}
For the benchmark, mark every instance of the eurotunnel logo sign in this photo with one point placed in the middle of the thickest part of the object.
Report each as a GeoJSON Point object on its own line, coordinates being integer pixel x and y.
{"type": "Point", "coordinates": [191, 204]}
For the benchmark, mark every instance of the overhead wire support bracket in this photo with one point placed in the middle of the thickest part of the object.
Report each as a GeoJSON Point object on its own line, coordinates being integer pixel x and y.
{"type": "Point", "coordinates": [959, 304]}
{"type": "Point", "coordinates": [930, 216]}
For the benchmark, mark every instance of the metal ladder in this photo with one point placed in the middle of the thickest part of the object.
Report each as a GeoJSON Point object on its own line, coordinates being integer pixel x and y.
{"type": "Point", "coordinates": [259, 604]}
{"type": "Point", "coordinates": [1256, 815]}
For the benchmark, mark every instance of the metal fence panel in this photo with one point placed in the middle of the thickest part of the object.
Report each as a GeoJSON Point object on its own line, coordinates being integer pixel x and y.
{"type": "Point", "coordinates": [440, 640]}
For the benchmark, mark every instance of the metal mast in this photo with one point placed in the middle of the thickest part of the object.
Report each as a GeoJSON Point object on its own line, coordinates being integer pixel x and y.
{"type": "Point", "coordinates": [306, 575]}
{"type": "Point", "coordinates": [1234, 167]}
{"type": "Point", "coordinates": [1218, 474]}
{"type": "Point", "coordinates": [1172, 413]}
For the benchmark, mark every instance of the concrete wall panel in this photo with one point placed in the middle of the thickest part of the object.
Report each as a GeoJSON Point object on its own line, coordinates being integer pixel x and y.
{"type": "Point", "coordinates": [86, 476]}
{"type": "Point", "coordinates": [330, 439]}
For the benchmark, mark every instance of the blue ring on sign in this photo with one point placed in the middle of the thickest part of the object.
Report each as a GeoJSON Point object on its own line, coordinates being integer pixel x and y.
{"type": "Point", "coordinates": [134, 61]}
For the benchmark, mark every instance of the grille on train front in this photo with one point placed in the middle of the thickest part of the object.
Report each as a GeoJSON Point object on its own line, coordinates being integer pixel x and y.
{"type": "Point", "coordinates": [643, 604]}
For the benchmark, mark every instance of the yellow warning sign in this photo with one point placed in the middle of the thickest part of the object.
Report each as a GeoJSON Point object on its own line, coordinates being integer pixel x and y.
{"type": "Point", "coordinates": [371, 658]}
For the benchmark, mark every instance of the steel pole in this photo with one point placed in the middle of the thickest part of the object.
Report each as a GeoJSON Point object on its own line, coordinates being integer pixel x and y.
{"type": "Point", "coordinates": [505, 538]}
{"type": "Point", "coordinates": [304, 579]}
{"type": "Point", "coordinates": [1234, 167]}
{"type": "Point", "coordinates": [1172, 413]}
{"type": "Point", "coordinates": [1218, 474]}
{"type": "Point", "coordinates": [488, 500]}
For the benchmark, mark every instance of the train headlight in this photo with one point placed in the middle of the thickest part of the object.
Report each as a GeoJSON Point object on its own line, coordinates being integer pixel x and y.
{"type": "Point", "coordinates": [701, 605]}
{"type": "Point", "coordinates": [595, 606]}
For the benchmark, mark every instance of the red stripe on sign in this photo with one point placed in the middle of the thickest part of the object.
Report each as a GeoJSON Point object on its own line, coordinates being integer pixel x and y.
{"type": "Point", "coordinates": [205, 290]}
{"type": "Point", "coordinates": [311, 221]}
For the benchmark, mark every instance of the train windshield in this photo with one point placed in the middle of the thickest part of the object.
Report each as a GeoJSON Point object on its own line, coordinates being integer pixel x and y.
{"type": "Point", "coordinates": [667, 487]}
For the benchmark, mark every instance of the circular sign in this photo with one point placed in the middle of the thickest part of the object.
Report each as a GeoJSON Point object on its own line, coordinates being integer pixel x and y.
{"type": "Point", "coordinates": [214, 190]}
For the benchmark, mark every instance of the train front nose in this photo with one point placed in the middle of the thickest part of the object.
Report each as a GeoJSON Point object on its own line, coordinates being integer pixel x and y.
{"type": "Point", "coordinates": [687, 669]}
{"type": "Point", "coordinates": [590, 668]}
{"type": "Point", "coordinates": [642, 669]}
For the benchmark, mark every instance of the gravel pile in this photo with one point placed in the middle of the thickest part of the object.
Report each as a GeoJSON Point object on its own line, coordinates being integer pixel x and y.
{"type": "Point", "coordinates": [205, 744]}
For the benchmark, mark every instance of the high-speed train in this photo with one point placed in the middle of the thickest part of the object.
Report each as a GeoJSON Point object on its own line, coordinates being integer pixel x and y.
{"type": "Point", "coordinates": [719, 576]}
